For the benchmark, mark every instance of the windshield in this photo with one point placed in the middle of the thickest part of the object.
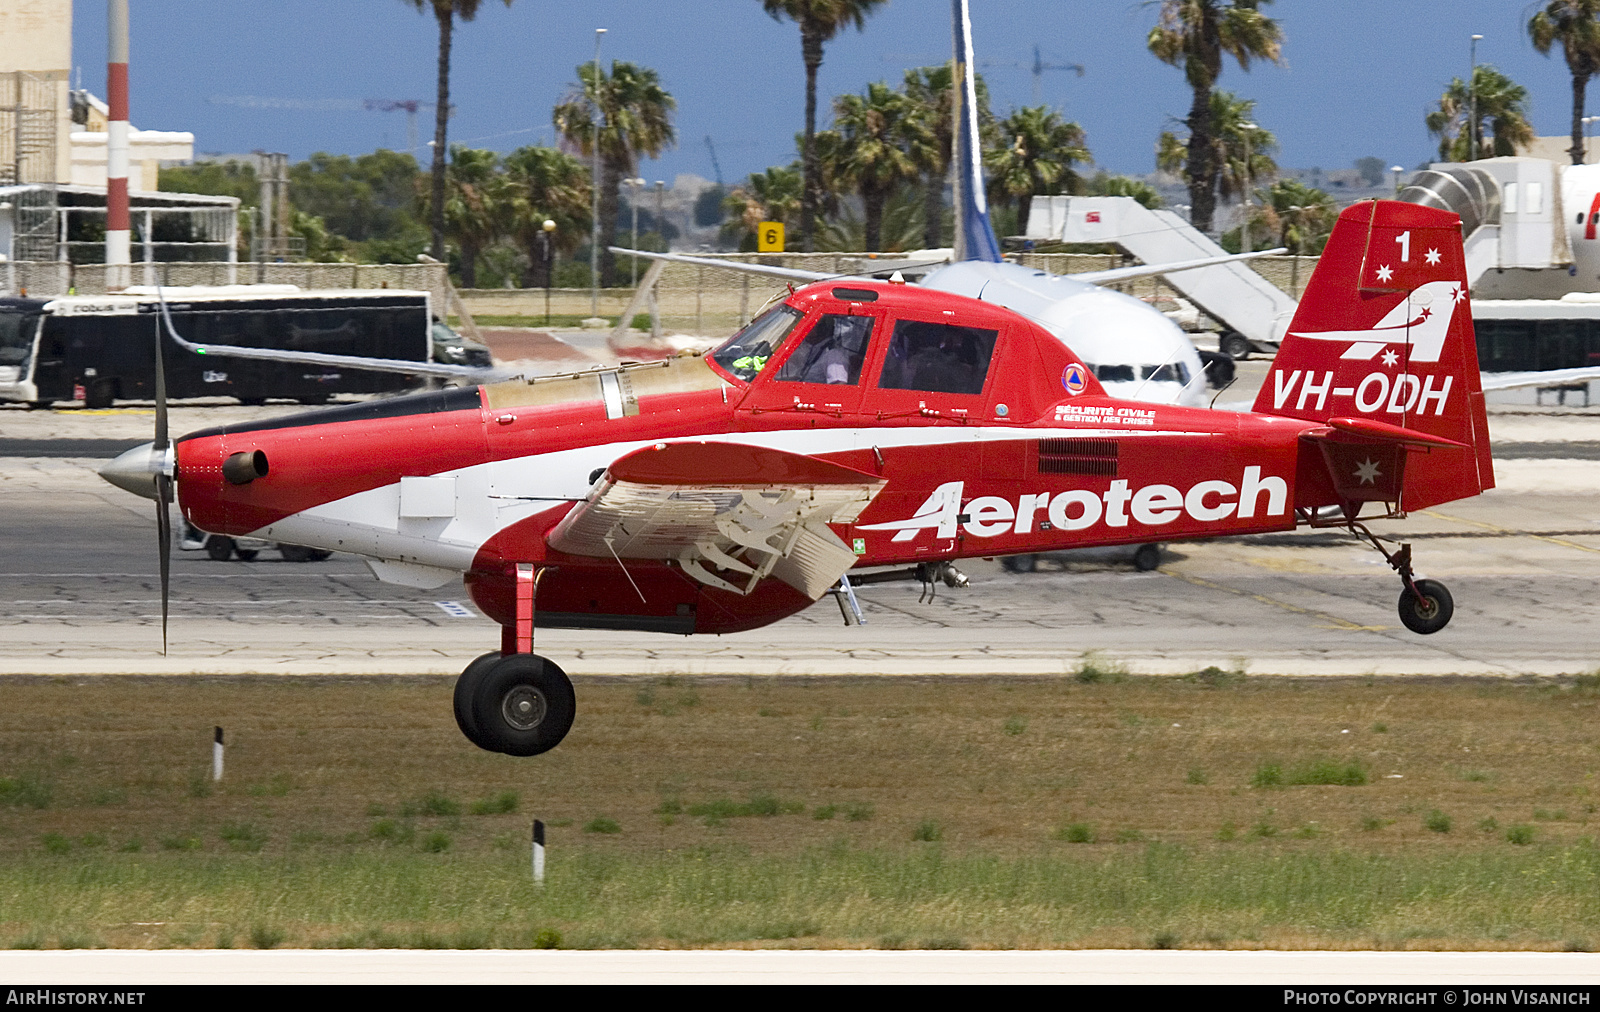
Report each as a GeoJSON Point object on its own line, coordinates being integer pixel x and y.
{"type": "Point", "coordinates": [745, 354]}
{"type": "Point", "coordinates": [16, 337]}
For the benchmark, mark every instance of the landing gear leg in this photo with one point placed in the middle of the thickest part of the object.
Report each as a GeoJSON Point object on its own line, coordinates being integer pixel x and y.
{"type": "Point", "coordinates": [1425, 605]}
{"type": "Point", "coordinates": [515, 701]}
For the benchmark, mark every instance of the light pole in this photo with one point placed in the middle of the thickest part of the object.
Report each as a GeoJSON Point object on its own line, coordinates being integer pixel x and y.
{"type": "Point", "coordinates": [594, 183]}
{"type": "Point", "coordinates": [1397, 169]}
{"type": "Point", "coordinates": [661, 227]}
{"type": "Point", "coordinates": [1244, 230]}
{"type": "Point", "coordinates": [1472, 90]}
{"type": "Point", "coordinates": [545, 233]}
{"type": "Point", "coordinates": [633, 201]}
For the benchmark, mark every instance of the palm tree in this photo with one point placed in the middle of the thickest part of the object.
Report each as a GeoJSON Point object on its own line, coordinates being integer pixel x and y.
{"type": "Point", "coordinates": [474, 199]}
{"type": "Point", "coordinates": [1576, 25]}
{"type": "Point", "coordinates": [773, 195]}
{"type": "Point", "coordinates": [1501, 103]}
{"type": "Point", "coordinates": [819, 21]}
{"type": "Point", "coordinates": [1195, 34]}
{"type": "Point", "coordinates": [1106, 185]}
{"type": "Point", "coordinates": [445, 12]}
{"type": "Point", "coordinates": [1037, 155]}
{"type": "Point", "coordinates": [636, 120]}
{"type": "Point", "coordinates": [931, 89]}
{"type": "Point", "coordinates": [877, 135]}
{"type": "Point", "coordinates": [546, 184]}
{"type": "Point", "coordinates": [1231, 142]}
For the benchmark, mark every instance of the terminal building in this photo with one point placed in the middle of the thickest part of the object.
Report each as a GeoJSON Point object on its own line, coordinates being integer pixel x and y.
{"type": "Point", "coordinates": [53, 163]}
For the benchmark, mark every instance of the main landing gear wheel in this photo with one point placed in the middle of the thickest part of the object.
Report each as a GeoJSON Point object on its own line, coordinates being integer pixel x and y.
{"type": "Point", "coordinates": [466, 688]}
{"type": "Point", "coordinates": [1019, 563]}
{"type": "Point", "coordinates": [1428, 613]}
{"type": "Point", "coordinates": [1146, 558]}
{"type": "Point", "coordinates": [520, 704]}
{"type": "Point", "coordinates": [219, 547]}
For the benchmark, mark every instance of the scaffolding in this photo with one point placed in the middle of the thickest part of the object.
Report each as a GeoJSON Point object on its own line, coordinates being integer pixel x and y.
{"type": "Point", "coordinates": [53, 222]}
{"type": "Point", "coordinates": [27, 128]}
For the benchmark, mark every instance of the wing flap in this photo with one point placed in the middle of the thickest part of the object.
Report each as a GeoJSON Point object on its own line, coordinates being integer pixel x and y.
{"type": "Point", "coordinates": [729, 514]}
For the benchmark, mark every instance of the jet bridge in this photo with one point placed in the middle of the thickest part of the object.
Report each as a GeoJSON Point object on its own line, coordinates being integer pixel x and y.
{"type": "Point", "coordinates": [1234, 294]}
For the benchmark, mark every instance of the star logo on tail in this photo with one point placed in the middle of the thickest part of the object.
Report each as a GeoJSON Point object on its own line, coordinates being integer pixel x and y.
{"type": "Point", "coordinates": [1368, 472]}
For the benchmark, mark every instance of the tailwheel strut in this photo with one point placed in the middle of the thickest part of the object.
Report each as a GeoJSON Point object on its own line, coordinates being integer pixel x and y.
{"type": "Point", "coordinates": [1425, 606]}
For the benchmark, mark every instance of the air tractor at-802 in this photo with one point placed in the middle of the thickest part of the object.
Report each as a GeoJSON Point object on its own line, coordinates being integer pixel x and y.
{"type": "Point", "coordinates": [856, 426]}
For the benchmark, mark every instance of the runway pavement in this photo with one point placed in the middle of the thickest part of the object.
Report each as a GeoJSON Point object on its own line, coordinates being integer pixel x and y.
{"type": "Point", "coordinates": [1440, 970]}
{"type": "Point", "coordinates": [81, 592]}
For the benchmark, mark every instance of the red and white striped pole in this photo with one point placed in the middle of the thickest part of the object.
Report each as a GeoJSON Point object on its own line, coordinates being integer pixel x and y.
{"type": "Point", "coordinates": [118, 237]}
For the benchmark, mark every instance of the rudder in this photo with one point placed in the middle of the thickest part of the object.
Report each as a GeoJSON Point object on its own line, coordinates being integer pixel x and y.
{"type": "Point", "coordinates": [1384, 334]}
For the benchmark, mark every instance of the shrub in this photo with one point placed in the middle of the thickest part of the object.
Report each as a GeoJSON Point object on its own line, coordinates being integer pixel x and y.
{"type": "Point", "coordinates": [1015, 725]}
{"type": "Point", "coordinates": [1077, 832]}
{"type": "Point", "coordinates": [927, 831]}
{"type": "Point", "coordinates": [55, 843]}
{"type": "Point", "coordinates": [1327, 772]}
{"type": "Point", "coordinates": [1437, 821]}
{"type": "Point", "coordinates": [1267, 775]}
{"type": "Point", "coordinates": [1229, 831]}
{"type": "Point", "coordinates": [1094, 670]}
{"type": "Point", "coordinates": [436, 804]}
{"type": "Point", "coordinates": [243, 836]}
{"type": "Point", "coordinates": [436, 843]}
{"type": "Point", "coordinates": [859, 811]}
{"type": "Point", "coordinates": [1520, 835]}
{"type": "Point", "coordinates": [24, 791]}
{"type": "Point", "coordinates": [501, 804]}
{"type": "Point", "coordinates": [547, 938]}
{"type": "Point", "coordinates": [825, 812]}
{"type": "Point", "coordinates": [264, 937]}
{"type": "Point", "coordinates": [1197, 776]}
{"type": "Point", "coordinates": [602, 825]}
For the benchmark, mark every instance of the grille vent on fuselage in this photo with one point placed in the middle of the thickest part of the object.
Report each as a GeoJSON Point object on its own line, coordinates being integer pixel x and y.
{"type": "Point", "coordinates": [1078, 456]}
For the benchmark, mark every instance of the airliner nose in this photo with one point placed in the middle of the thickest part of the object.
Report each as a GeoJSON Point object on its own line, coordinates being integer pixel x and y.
{"type": "Point", "coordinates": [135, 470]}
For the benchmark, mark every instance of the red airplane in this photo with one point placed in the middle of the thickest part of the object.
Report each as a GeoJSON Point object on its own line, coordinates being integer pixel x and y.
{"type": "Point", "coordinates": [856, 425]}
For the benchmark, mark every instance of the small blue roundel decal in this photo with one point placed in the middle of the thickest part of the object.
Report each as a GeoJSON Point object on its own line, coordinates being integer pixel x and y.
{"type": "Point", "coordinates": [1072, 377]}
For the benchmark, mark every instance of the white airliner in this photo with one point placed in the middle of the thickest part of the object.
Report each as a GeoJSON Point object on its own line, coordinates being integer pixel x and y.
{"type": "Point", "coordinates": [1134, 350]}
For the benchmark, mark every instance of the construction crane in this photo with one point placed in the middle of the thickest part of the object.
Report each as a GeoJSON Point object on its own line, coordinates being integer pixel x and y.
{"type": "Point", "coordinates": [1037, 67]}
{"type": "Point", "coordinates": [410, 105]}
{"type": "Point", "coordinates": [715, 167]}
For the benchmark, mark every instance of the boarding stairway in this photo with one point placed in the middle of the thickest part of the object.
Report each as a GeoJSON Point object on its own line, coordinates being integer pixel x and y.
{"type": "Point", "coordinates": [1233, 294]}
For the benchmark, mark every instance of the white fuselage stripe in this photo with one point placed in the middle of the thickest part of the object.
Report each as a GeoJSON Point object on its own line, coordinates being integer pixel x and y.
{"type": "Point", "coordinates": [493, 496]}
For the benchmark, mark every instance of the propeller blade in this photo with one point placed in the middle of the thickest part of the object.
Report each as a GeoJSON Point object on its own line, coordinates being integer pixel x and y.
{"type": "Point", "coordinates": [164, 539]}
{"type": "Point", "coordinates": [162, 442]}
{"type": "Point", "coordinates": [158, 454]}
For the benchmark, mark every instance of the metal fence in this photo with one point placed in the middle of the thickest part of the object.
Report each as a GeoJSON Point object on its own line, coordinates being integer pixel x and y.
{"type": "Point", "coordinates": [51, 278]}
{"type": "Point", "coordinates": [705, 301]}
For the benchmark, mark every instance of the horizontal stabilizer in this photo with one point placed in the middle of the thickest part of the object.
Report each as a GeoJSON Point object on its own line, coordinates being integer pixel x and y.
{"type": "Point", "coordinates": [1371, 428]}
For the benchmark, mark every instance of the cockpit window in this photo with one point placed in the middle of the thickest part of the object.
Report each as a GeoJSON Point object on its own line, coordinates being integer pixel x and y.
{"type": "Point", "coordinates": [831, 353]}
{"type": "Point", "coordinates": [937, 357]}
{"type": "Point", "coordinates": [1114, 373]}
{"type": "Point", "coordinates": [1172, 372]}
{"type": "Point", "coordinates": [745, 354]}
{"type": "Point", "coordinates": [16, 337]}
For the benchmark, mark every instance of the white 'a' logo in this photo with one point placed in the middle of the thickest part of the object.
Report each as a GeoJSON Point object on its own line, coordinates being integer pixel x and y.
{"type": "Point", "coordinates": [1422, 321]}
{"type": "Point", "coordinates": [940, 510]}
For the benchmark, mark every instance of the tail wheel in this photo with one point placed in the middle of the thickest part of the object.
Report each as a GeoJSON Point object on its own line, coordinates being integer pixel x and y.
{"type": "Point", "coordinates": [220, 548]}
{"type": "Point", "coordinates": [467, 687]}
{"type": "Point", "coordinates": [1429, 612]}
{"type": "Point", "coordinates": [1146, 558]}
{"type": "Point", "coordinates": [522, 705]}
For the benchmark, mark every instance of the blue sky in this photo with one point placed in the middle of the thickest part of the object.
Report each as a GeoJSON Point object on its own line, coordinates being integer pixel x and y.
{"type": "Point", "coordinates": [1359, 74]}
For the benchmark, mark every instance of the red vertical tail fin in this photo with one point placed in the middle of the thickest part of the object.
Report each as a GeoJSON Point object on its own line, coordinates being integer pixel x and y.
{"type": "Point", "coordinates": [1384, 334]}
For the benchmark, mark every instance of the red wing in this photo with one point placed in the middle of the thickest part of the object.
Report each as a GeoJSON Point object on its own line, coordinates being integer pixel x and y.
{"type": "Point", "coordinates": [745, 510]}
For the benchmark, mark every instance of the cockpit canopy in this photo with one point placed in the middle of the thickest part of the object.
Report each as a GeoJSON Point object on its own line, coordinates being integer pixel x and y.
{"type": "Point", "coordinates": [894, 349]}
